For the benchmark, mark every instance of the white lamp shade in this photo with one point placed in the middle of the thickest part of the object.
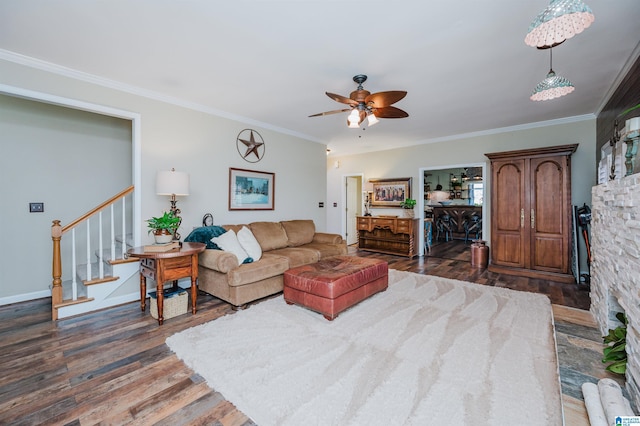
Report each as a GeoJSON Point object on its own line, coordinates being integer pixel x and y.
{"type": "Point", "coordinates": [171, 182]}
{"type": "Point", "coordinates": [560, 21]}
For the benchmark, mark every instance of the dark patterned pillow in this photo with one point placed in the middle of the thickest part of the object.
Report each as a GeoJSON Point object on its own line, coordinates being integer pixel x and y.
{"type": "Point", "coordinates": [204, 234]}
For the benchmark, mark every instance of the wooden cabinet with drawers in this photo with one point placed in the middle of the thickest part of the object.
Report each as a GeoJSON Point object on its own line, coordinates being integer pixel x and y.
{"type": "Point", "coordinates": [391, 235]}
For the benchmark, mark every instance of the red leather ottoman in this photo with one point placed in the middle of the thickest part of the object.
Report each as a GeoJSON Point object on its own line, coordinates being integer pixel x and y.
{"type": "Point", "coordinates": [332, 285]}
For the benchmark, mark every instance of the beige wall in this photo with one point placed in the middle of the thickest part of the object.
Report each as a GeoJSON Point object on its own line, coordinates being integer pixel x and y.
{"type": "Point", "coordinates": [202, 144]}
{"type": "Point", "coordinates": [408, 162]}
{"type": "Point", "coordinates": [61, 157]}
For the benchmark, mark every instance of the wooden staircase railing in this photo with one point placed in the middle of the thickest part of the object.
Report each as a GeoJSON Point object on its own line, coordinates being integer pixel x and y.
{"type": "Point", "coordinates": [57, 231]}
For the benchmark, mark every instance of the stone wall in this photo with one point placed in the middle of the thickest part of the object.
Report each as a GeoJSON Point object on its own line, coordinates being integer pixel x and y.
{"type": "Point", "coordinates": [615, 266]}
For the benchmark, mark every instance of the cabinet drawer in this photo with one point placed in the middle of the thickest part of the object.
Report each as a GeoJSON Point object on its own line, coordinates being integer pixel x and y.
{"type": "Point", "coordinates": [147, 273]}
{"type": "Point", "coordinates": [383, 223]}
{"type": "Point", "coordinates": [403, 228]}
{"type": "Point", "coordinates": [177, 262]}
{"type": "Point", "coordinates": [149, 263]}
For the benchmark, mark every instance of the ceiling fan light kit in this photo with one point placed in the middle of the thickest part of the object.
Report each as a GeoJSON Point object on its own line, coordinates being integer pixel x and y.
{"type": "Point", "coordinates": [364, 104]}
{"type": "Point", "coordinates": [561, 20]}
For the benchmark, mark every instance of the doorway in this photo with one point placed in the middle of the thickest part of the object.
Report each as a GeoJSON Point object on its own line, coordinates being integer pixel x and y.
{"type": "Point", "coordinates": [353, 207]}
{"type": "Point", "coordinates": [453, 209]}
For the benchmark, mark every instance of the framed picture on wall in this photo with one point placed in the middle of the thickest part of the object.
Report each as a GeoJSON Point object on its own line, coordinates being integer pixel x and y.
{"type": "Point", "coordinates": [251, 190]}
{"type": "Point", "coordinates": [390, 192]}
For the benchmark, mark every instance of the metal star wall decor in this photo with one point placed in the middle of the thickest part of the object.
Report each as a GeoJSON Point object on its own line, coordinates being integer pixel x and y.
{"type": "Point", "coordinates": [250, 142]}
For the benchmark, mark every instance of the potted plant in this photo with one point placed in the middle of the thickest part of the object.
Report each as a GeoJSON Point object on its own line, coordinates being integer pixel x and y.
{"type": "Point", "coordinates": [408, 204]}
{"type": "Point", "coordinates": [615, 352]}
{"type": "Point", "coordinates": [163, 227]}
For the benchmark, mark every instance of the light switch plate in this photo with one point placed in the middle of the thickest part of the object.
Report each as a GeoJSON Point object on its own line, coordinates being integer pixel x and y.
{"type": "Point", "coordinates": [36, 207]}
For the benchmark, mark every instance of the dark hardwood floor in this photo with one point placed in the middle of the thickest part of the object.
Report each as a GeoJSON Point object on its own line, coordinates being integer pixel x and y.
{"type": "Point", "coordinates": [113, 367]}
{"type": "Point", "coordinates": [452, 259]}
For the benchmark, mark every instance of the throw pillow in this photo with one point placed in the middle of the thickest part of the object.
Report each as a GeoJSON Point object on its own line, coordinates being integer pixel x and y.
{"type": "Point", "coordinates": [204, 234]}
{"type": "Point", "coordinates": [229, 242]}
{"type": "Point", "coordinates": [249, 243]}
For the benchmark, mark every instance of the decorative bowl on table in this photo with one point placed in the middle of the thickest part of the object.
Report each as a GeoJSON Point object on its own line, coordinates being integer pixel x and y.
{"type": "Point", "coordinates": [445, 203]}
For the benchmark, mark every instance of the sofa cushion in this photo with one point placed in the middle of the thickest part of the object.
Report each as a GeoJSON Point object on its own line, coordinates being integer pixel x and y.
{"type": "Point", "coordinates": [229, 242]}
{"type": "Point", "coordinates": [234, 228]}
{"type": "Point", "coordinates": [249, 243]}
{"type": "Point", "coordinates": [298, 256]}
{"type": "Point", "coordinates": [299, 232]}
{"type": "Point", "coordinates": [270, 235]}
{"type": "Point", "coordinates": [269, 266]}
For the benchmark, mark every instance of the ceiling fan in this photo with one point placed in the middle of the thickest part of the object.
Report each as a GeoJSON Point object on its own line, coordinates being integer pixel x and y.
{"type": "Point", "coordinates": [364, 104]}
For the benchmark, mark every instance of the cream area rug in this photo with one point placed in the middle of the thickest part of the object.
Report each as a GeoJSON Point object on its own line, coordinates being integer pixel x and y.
{"type": "Point", "coordinates": [428, 351]}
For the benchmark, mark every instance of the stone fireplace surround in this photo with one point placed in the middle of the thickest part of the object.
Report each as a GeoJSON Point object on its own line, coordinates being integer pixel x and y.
{"type": "Point", "coordinates": [615, 266]}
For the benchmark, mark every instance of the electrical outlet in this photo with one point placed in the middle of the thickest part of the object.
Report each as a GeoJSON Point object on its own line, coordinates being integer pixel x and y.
{"type": "Point", "coordinates": [36, 207]}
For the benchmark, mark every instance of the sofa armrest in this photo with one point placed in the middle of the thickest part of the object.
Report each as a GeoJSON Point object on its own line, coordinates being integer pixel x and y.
{"type": "Point", "coordinates": [325, 238]}
{"type": "Point", "coordinates": [218, 260]}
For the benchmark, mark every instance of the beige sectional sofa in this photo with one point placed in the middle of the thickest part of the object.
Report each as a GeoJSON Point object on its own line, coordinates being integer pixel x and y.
{"type": "Point", "coordinates": [284, 245]}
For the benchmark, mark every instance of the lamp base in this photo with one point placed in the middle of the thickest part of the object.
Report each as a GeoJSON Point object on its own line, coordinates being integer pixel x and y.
{"type": "Point", "coordinates": [175, 211]}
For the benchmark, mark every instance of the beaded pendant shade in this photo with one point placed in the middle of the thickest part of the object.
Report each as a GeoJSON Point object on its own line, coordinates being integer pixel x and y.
{"type": "Point", "coordinates": [560, 21]}
{"type": "Point", "coordinates": [554, 86]}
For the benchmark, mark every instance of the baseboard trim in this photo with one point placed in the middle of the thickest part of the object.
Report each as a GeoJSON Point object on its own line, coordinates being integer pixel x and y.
{"type": "Point", "coordinates": [24, 297]}
{"type": "Point", "coordinates": [552, 276]}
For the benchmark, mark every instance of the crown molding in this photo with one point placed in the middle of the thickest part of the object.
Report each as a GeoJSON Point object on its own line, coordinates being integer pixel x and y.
{"type": "Point", "coordinates": [39, 64]}
{"type": "Point", "coordinates": [516, 128]}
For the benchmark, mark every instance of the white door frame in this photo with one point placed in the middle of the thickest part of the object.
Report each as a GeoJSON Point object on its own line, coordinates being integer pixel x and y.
{"type": "Point", "coordinates": [343, 216]}
{"type": "Point", "coordinates": [136, 137]}
{"type": "Point", "coordinates": [454, 166]}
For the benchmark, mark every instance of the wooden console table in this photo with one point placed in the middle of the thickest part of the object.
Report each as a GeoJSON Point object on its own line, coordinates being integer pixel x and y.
{"type": "Point", "coordinates": [390, 235]}
{"type": "Point", "coordinates": [168, 266]}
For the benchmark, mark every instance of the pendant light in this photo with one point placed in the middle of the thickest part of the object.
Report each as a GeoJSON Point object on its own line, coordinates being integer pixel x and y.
{"type": "Point", "coordinates": [554, 86]}
{"type": "Point", "coordinates": [561, 20]}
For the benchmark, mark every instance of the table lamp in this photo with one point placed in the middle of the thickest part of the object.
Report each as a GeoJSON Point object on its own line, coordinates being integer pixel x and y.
{"type": "Point", "coordinates": [174, 184]}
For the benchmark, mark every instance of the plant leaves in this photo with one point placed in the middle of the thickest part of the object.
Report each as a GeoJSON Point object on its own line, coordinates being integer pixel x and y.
{"type": "Point", "coordinates": [620, 333]}
{"type": "Point", "coordinates": [614, 356]}
{"type": "Point", "coordinates": [619, 367]}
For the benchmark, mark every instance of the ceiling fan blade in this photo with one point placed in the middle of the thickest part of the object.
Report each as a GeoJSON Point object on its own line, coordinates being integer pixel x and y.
{"type": "Point", "coordinates": [390, 112]}
{"type": "Point", "coordinates": [341, 99]}
{"type": "Point", "coordinates": [383, 99]}
{"type": "Point", "coordinates": [330, 112]}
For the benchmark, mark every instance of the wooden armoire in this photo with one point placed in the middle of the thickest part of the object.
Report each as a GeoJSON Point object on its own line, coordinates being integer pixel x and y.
{"type": "Point", "coordinates": [531, 212]}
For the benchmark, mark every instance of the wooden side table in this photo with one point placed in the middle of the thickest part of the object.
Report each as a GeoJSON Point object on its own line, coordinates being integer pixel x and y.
{"type": "Point", "coordinates": [168, 266]}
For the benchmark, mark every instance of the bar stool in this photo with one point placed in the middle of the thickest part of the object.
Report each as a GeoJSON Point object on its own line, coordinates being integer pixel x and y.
{"type": "Point", "coordinates": [472, 225]}
{"type": "Point", "coordinates": [428, 234]}
{"type": "Point", "coordinates": [443, 226]}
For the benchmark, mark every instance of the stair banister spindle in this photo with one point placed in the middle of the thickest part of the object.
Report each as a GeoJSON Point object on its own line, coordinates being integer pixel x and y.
{"type": "Point", "coordinates": [124, 227]}
{"type": "Point", "coordinates": [113, 236]}
{"type": "Point", "coordinates": [60, 306]}
{"type": "Point", "coordinates": [88, 250]}
{"type": "Point", "coordinates": [100, 249]}
{"type": "Point", "coordinates": [74, 275]}
{"type": "Point", "coordinates": [56, 270]}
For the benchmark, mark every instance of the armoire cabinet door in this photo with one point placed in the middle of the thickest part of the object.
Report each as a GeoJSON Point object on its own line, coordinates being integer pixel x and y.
{"type": "Point", "coordinates": [509, 240]}
{"type": "Point", "coordinates": [547, 215]}
{"type": "Point", "coordinates": [531, 212]}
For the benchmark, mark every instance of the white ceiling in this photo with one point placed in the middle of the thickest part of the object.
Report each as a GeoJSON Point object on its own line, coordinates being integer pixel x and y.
{"type": "Point", "coordinates": [463, 63]}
